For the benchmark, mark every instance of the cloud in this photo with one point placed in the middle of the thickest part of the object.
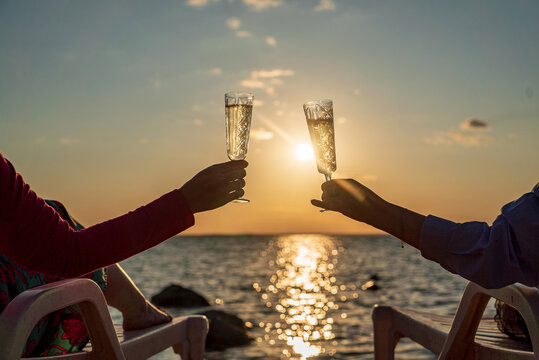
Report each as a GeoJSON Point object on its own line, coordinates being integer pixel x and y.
{"type": "Point", "coordinates": [469, 134]}
{"type": "Point", "coordinates": [270, 40]}
{"type": "Point", "coordinates": [214, 71]}
{"type": "Point", "coordinates": [143, 141]}
{"type": "Point", "coordinates": [199, 3]}
{"type": "Point", "coordinates": [325, 5]}
{"type": "Point", "coordinates": [459, 138]}
{"type": "Point", "coordinates": [69, 141]}
{"type": "Point", "coordinates": [253, 83]}
{"type": "Point", "coordinates": [266, 79]}
{"type": "Point", "coordinates": [41, 140]}
{"type": "Point", "coordinates": [233, 22]}
{"type": "Point", "coordinates": [276, 81]}
{"type": "Point", "coordinates": [243, 34]}
{"type": "Point", "coordinates": [271, 73]}
{"type": "Point", "coordinates": [258, 5]}
{"type": "Point", "coordinates": [357, 92]}
{"type": "Point", "coordinates": [261, 134]}
{"type": "Point", "coordinates": [472, 124]}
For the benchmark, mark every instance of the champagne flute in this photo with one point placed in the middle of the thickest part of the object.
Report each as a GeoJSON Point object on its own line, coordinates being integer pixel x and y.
{"type": "Point", "coordinates": [238, 110]}
{"type": "Point", "coordinates": [319, 115]}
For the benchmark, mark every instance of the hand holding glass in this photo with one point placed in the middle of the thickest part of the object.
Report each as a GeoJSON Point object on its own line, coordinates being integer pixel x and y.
{"type": "Point", "coordinates": [238, 110]}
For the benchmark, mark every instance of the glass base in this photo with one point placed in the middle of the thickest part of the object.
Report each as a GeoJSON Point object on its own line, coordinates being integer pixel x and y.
{"type": "Point", "coordinates": [241, 201]}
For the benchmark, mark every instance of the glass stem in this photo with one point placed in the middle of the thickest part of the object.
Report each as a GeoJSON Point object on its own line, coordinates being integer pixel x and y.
{"type": "Point", "coordinates": [328, 178]}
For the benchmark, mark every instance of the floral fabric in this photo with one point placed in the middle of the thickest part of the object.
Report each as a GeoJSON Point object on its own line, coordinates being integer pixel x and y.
{"type": "Point", "coordinates": [60, 332]}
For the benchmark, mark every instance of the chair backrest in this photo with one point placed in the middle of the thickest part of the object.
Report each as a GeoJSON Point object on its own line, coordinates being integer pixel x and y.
{"type": "Point", "coordinates": [472, 305]}
{"type": "Point", "coordinates": [22, 313]}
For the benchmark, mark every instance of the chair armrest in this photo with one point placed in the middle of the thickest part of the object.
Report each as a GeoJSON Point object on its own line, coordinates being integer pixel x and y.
{"type": "Point", "coordinates": [472, 306]}
{"type": "Point", "coordinates": [526, 300]}
{"type": "Point", "coordinates": [22, 313]}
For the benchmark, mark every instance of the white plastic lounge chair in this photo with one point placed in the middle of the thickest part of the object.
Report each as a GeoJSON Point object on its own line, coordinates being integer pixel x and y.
{"type": "Point", "coordinates": [186, 335]}
{"type": "Point", "coordinates": [466, 335]}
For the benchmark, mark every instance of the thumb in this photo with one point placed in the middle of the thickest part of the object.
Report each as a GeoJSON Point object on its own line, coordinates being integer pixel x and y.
{"type": "Point", "coordinates": [318, 203]}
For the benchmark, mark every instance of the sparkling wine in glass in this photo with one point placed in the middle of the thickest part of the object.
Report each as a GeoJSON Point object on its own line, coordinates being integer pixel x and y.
{"type": "Point", "coordinates": [319, 115]}
{"type": "Point", "coordinates": [238, 110]}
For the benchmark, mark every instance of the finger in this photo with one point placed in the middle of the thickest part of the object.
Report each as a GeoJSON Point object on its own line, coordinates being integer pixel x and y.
{"type": "Point", "coordinates": [227, 166]}
{"type": "Point", "coordinates": [318, 203]}
{"type": "Point", "coordinates": [234, 185]}
{"type": "Point", "coordinates": [233, 165]}
{"type": "Point", "coordinates": [325, 195]}
{"type": "Point", "coordinates": [241, 163]}
{"type": "Point", "coordinates": [328, 185]}
{"type": "Point", "coordinates": [323, 204]}
{"type": "Point", "coordinates": [332, 190]}
{"type": "Point", "coordinates": [234, 195]}
{"type": "Point", "coordinates": [234, 175]}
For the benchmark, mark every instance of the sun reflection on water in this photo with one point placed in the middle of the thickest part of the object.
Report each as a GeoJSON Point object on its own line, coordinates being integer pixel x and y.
{"type": "Point", "coordinates": [303, 290]}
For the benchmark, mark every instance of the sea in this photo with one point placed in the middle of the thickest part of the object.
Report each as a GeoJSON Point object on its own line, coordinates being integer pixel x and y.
{"type": "Point", "coordinates": [303, 296]}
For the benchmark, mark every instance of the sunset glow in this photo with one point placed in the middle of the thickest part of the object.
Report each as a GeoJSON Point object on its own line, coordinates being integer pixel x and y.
{"type": "Point", "coordinates": [304, 152]}
{"type": "Point", "coordinates": [107, 106]}
{"type": "Point", "coordinates": [304, 290]}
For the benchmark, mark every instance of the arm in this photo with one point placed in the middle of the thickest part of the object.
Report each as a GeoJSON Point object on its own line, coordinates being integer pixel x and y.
{"type": "Point", "coordinates": [358, 202]}
{"type": "Point", "coordinates": [492, 256]}
{"type": "Point", "coordinates": [34, 236]}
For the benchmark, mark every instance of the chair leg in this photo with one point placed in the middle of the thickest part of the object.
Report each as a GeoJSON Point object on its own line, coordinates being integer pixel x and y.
{"type": "Point", "coordinates": [182, 349]}
{"type": "Point", "coordinates": [459, 342]}
{"type": "Point", "coordinates": [385, 336]}
{"type": "Point", "coordinates": [193, 347]}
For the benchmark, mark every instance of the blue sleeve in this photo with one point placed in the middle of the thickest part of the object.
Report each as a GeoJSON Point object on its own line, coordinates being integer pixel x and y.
{"type": "Point", "coordinates": [491, 256]}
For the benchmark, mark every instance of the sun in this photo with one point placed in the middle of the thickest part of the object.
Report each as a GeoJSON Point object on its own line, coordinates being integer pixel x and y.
{"type": "Point", "coordinates": [304, 152]}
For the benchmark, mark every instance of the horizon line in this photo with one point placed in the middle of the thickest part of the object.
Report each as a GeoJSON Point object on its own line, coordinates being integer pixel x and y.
{"type": "Point", "coordinates": [280, 234]}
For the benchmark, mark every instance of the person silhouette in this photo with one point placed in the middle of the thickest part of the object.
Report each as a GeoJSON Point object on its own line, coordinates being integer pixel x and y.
{"type": "Point", "coordinates": [491, 256]}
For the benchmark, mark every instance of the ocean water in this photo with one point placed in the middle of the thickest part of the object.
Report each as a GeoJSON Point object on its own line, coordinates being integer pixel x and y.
{"type": "Point", "coordinates": [304, 296]}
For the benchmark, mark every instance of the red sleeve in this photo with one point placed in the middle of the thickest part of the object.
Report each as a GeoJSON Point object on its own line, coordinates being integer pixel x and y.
{"type": "Point", "coordinates": [35, 237]}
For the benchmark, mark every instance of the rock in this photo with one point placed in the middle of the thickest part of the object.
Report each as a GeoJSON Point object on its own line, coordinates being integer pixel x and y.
{"type": "Point", "coordinates": [375, 277]}
{"type": "Point", "coordinates": [178, 296]}
{"type": "Point", "coordinates": [226, 330]}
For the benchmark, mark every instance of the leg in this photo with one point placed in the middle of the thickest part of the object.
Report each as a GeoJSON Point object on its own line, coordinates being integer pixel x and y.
{"type": "Point", "coordinates": [123, 294]}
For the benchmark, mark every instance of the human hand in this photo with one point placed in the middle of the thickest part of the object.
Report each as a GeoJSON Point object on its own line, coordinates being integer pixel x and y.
{"type": "Point", "coordinates": [215, 186]}
{"type": "Point", "coordinates": [352, 199]}
{"type": "Point", "coordinates": [360, 203]}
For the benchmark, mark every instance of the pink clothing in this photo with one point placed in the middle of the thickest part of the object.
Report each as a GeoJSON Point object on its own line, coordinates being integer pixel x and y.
{"type": "Point", "coordinates": [35, 237]}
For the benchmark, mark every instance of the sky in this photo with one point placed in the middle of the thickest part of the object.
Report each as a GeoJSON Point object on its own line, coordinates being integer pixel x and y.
{"type": "Point", "coordinates": [107, 105]}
